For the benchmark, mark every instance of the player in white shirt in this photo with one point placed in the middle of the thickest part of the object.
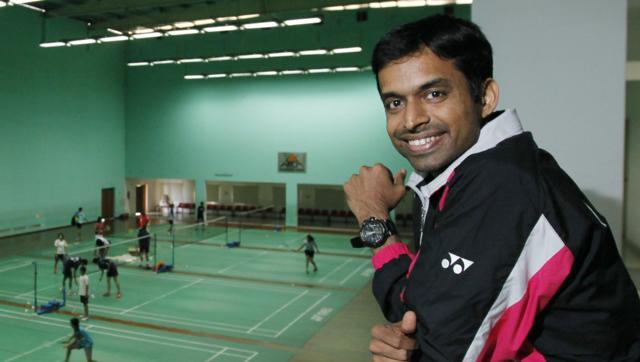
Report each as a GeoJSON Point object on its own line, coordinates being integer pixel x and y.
{"type": "Point", "coordinates": [83, 291]}
{"type": "Point", "coordinates": [61, 251]}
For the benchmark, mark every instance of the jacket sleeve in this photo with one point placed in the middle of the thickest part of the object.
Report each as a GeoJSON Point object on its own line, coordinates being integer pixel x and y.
{"type": "Point", "coordinates": [488, 266]}
{"type": "Point", "coordinates": [391, 263]}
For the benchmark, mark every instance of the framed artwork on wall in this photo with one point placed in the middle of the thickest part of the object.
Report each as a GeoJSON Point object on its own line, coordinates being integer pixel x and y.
{"type": "Point", "coordinates": [292, 161]}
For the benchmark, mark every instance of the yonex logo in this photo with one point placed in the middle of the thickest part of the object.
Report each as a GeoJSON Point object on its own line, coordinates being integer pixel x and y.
{"type": "Point", "coordinates": [459, 264]}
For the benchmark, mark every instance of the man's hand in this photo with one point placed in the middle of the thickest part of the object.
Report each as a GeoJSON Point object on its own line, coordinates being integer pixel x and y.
{"type": "Point", "coordinates": [374, 191]}
{"type": "Point", "coordinates": [394, 342]}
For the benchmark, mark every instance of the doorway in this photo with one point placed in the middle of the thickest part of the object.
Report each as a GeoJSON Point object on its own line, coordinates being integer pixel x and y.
{"type": "Point", "coordinates": [141, 198]}
{"type": "Point", "coordinates": [108, 201]}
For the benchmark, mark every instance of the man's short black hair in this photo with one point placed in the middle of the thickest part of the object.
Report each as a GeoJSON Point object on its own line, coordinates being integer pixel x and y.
{"type": "Point", "coordinates": [449, 38]}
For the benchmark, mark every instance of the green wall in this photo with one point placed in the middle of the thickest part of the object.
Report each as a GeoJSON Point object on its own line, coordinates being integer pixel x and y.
{"type": "Point", "coordinates": [61, 121]}
{"type": "Point", "coordinates": [232, 129]}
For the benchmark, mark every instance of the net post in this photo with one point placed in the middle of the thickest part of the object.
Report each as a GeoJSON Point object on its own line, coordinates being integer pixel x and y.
{"type": "Point", "coordinates": [226, 230]}
{"type": "Point", "coordinates": [173, 249]}
{"type": "Point", "coordinates": [35, 286]}
{"type": "Point", "coordinates": [155, 250]}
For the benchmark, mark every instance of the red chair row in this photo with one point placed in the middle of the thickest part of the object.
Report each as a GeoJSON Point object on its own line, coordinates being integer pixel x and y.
{"type": "Point", "coordinates": [189, 206]}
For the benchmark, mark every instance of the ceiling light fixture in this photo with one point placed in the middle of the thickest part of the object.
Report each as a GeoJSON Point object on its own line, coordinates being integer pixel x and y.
{"type": "Point", "coordinates": [219, 75]}
{"type": "Point", "coordinates": [154, 34]}
{"type": "Point", "coordinates": [52, 44]}
{"type": "Point", "coordinates": [281, 54]}
{"type": "Point", "coordinates": [261, 25]}
{"type": "Point", "coordinates": [183, 32]}
{"type": "Point", "coordinates": [303, 21]}
{"type": "Point", "coordinates": [346, 50]}
{"type": "Point", "coordinates": [114, 31]}
{"type": "Point", "coordinates": [250, 56]}
{"type": "Point", "coordinates": [195, 76]}
{"type": "Point", "coordinates": [248, 16]}
{"type": "Point", "coordinates": [319, 70]}
{"type": "Point", "coordinates": [190, 60]}
{"type": "Point", "coordinates": [109, 39]}
{"type": "Point", "coordinates": [203, 22]}
{"type": "Point", "coordinates": [161, 62]}
{"type": "Point", "coordinates": [137, 64]}
{"type": "Point", "coordinates": [214, 29]}
{"type": "Point", "coordinates": [218, 59]}
{"type": "Point", "coordinates": [313, 52]}
{"type": "Point", "coordinates": [82, 41]}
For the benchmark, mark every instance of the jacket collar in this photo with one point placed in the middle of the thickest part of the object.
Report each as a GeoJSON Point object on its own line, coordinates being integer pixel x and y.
{"type": "Point", "coordinates": [495, 131]}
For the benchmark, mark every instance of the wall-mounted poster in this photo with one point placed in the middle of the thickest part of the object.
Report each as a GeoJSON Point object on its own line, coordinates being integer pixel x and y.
{"type": "Point", "coordinates": [292, 161]}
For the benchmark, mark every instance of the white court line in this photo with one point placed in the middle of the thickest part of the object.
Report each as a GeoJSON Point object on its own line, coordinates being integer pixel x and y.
{"type": "Point", "coordinates": [302, 314]}
{"type": "Point", "coordinates": [353, 273]}
{"type": "Point", "coordinates": [265, 332]}
{"type": "Point", "coordinates": [15, 267]}
{"type": "Point", "coordinates": [162, 296]}
{"type": "Point", "coordinates": [44, 345]}
{"type": "Point", "coordinates": [241, 262]}
{"type": "Point", "coordinates": [278, 310]}
{"type": "Point", "coordinates": [335, 269]}
{"type": "Point", "coordinates": [122, 334]}
{"type": "Point", "coordinates": [9, 261]}
{"type": "Point", "coordinates": [216, 355]}
{"type": "Point", "coordinates": [39, 290]}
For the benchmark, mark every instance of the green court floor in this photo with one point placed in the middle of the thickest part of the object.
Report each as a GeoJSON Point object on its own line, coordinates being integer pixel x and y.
{"type": "Point", "coordinates": [254, 302]}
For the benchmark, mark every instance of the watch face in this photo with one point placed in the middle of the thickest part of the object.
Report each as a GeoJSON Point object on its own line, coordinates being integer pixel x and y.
{"type": "Point", "coordinates": [373, 231]}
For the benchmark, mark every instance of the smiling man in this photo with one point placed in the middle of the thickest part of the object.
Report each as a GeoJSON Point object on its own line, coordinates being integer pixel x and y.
{"type": "Point", "coordinates": [513, 262]}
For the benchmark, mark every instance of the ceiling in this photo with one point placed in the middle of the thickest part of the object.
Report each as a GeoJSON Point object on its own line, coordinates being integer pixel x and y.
{"type": "Point", "coordinates": [128, 15]}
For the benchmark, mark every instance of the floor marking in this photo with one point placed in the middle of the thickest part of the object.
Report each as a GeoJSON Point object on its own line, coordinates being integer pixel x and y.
{"type": "Point", "coordinates": [353, 273]}
{"type": "Point", "coordinates": [216, 355]}
{"type": "Point", "coordinates": [336, 269]}
{"type": "Point", "coordinates": [302, 314]}
{"type": "Point", "coordinates": [278, 310]}
{"type": "Point", "coordinates": [15, 267]}
{"type": "Point", "coordinates": [241, 262]}
{"type": "Point", "coordinates": [162, 296]}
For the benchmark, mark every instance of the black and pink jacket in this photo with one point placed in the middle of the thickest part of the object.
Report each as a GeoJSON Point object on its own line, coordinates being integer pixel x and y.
{"type": "Point", "coordinates": [514, 263]}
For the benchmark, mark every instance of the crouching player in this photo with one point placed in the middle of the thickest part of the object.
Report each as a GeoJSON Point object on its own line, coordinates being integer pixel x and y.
{"type": "Point", "coordinates": [80, 339]}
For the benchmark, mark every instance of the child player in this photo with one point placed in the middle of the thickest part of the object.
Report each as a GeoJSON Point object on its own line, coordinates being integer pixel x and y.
{"type": "Point", "coordinates": [70, 270]}
{"type": "Point", "coordinates": [83, 291]}
{"type": "Point", "coordinates": [112, 273]}
{"type": "Point", "coordinates": [144, 239]}
{"type": "Point", "coordinates": [80, 339]}
{"type": "Point", "coordinates": [61, 251]}
{"type": "Point", "coordinates": [310, 248]}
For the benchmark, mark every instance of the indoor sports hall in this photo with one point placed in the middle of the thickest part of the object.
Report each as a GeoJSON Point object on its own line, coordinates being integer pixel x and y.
{"type": "Point", "coordinates": [226, 130]}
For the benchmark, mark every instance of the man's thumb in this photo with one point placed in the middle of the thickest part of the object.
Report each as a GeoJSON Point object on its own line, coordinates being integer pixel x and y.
{"type": "Point", "coordinates": [408, 325]}
{"type": "Point", "coordinates": [398, 179]}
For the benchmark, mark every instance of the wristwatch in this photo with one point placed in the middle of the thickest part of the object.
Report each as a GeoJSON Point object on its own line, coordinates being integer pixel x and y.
{"type": "Point", "coordinates": [374, 232]}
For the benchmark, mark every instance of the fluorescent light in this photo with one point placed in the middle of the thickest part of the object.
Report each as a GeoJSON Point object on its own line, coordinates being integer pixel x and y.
{"type": "Point", "coordinates": [334, 8]}
{"type": "Point", "coordinates": [411, 3]}
{"type": "Point", "coordinates": [183, 24]}
{"type": "Point", "coordinates": [143, 31]}
{"type": "Point", "coordinates": [440, 2]}
{"type": "Point", "coordinates": [194, 76]}
{"type": "Point", "coordinates": [203, 22]}
{"type": "Point", "coordinates": [268, 72]}
{"type": "Point", "coordinates": [281, 54]}
{"type": "Point", "coordinates": [82, 41]}
{"type": "Point", "coordinates": [319, 70]}
{"type": "Point", "coordinates": [138, 64]}
{"type": "Point", "coordinates": [114, 31]}
{"type": "Point", "coordinates": [250, 56]}
{"type": "Point", "coordinates": [247, 16]}
{"type": "Point", "coordinates": [464, 2]}
{"type": "Point", "coordinates": [218, 59]}
{"type": "Point", "coordinates": [190, 60]}
{"type": "Point", "coordinates": [164, 27]}
{"type": "Point", "coordinates": [24, 1]}
{"type": "Point", "coordinates": [291, 72]}
{"type": "Point", "coordinates": [154, 34]}
{"type": "Point", "coordinates": [160, 62]}
{"type": "Point", "coordinates": [355, 6]}
{"type": "Point", "coordinates": [183, 32]}
{"type": "Point", "coordinates": [227, 18]}
{"type": "Point", "coordinates": [51, 44]}
{"type": "Point", "coordinates": [213, 29]}
{"type": "Point", "coordinates": [313, 52]}
{"type": "Point", "coordinates": [262, 25]}
{"type": "Point", "coordinates": [304, 21]}
{"type": "Point", "coordinates": [346, 50]}
{"type": "Point", "coordinates": [383, 4]}
{"type": "Point", "coordinates": [219, 75]}
{"type": "Point", "coordinates": [347, 69]}
{"type": "Point", "coordinates": [109, 39]}
{"type": "Point", "coordinates": [2, 4]}
{"type": "Point", "coordinates": [233, 75]}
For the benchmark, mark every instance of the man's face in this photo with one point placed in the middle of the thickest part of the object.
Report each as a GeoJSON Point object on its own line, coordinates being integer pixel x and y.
{"type": "Point", "coordinates": [431, 117]}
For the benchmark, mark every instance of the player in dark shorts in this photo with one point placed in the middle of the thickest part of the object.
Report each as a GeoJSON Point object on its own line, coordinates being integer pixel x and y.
{"type": "Point", "coordinates": [112, 273]}
{"type": "Point", "coordinates": [70, 270]}
{"type": "Point", "coordinates": [144, 241]}
{"type": "Point", "coordinates": [310, 248]}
